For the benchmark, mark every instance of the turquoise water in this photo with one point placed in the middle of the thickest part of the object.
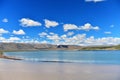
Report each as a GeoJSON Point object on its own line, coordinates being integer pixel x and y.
{"type": "Point", "coordinates": [104, 57]}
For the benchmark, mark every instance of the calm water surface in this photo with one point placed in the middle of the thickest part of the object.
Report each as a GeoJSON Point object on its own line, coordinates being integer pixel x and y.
{"type": "Point", "coordinates": [95, 57]}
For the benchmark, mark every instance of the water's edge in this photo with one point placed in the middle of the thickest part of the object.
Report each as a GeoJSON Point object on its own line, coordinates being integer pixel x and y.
{"type": "Point", "coordinates": [89, 57]}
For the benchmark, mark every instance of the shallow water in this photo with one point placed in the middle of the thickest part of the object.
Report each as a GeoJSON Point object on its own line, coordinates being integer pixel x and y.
{"type": "Point", "coordinates": [95, 57]}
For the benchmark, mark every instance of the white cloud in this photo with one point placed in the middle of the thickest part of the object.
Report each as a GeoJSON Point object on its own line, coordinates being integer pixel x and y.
{"type": "Point", "coordinates": [65, 39]}
{"type": "Point", "coordinates": [49, 23]}
{"type": "Point", "coordinates": [94, 1]}
{"type": "Point", "coordinates": [26, 22]}
{"type": "Point", "coordinates": [43, 34]}
{"type": "Point", "coordinates": [64, 36]}
{"type": "Point", "coordinates": [69, 27]}
{"type": "Point", "coordinates": [80, 39]}
{"type": "Point", "coordinates": [31, 41]}
{"type": "Point", "coordinates": [5, 20]}
{"type": "Point", "coordinates": [107, 32]}
{"type": "Point", "coordinates": [2, 31]}
{"type": "Point", "coordinates": [101, 41]}
{"type": "Point", "coordinates": [2, 39]}
{"type": "Point", "coordinates": [75, 40]}
{"type": "Point", "coordinates": [10, 39]}
{"type": "Point", "coordinates": [14, 39]}
{"type": "Point", "coordinates": [90, 40]}
{"type": "Point", "coordinates": [54, 37]}
{"type": "Point", "coordinates": [44, 42]}
{"type": "Point", "coordinates": [19, 32]}
{"type": "Point", "coordinates": [88, 27]}
{"type": "Point", "coordinates": [18, 40]}
{"type": "Point", "coordinates": [51, 33]}
{"type": "Point", "coordinates": [70, 33]}
{"type": "Point", "coordinates": [107, 41]}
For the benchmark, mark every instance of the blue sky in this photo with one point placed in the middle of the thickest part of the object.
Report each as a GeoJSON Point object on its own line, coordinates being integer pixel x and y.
{"type": "Point", "coordinates": [72, 22]}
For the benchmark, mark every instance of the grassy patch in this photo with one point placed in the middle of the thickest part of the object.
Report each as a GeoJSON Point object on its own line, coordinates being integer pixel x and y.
{"type": "Point", "coordinates": [1, 53]}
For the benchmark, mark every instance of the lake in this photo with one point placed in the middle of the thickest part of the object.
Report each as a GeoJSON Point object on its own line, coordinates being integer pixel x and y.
{"type": "Point", "coordinates": [94, 57]}
{"type": "Point", "coordinates": [61, 65]}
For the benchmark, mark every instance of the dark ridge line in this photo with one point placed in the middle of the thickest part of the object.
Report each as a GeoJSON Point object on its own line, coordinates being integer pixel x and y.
{"type": "Point", "coordinates": [57, 61]}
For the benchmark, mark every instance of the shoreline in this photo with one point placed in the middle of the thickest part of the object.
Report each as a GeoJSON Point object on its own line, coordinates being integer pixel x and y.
{"type": "Point", "coordinates": [13, 58]}
{"type": "Point", "coordinates": [7, 57]}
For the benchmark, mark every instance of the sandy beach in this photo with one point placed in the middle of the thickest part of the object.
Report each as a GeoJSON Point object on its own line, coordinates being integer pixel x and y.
{"type": "Point", "coordinates": [19, 70]}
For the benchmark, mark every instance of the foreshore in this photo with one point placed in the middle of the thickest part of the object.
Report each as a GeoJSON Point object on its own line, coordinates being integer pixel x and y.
{"type": "Point", "coordinates": [20, 70]}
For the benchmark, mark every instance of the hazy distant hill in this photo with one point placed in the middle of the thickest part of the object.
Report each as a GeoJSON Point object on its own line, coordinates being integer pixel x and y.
{"type": "Point", "coordinates": [117, 47]}
{"type": "Point", "coordinates": [21, 46]}
{"type": "Point", "coordinates": [27, 46]}
{"type": "Point", "coordinates": [15, 46]}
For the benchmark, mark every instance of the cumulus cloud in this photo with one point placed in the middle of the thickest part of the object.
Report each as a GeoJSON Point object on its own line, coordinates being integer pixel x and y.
{"type": "Point", "coordinates": [63, 36]}
{"type": "Point", "coordinates": [86, 27]}
{"type": "Point", "coordinates": [18, 40]}
{"type": "Point", "coordinates": [54, 37]}
{"type": "Point", "coordinates": [2, 31]}
{"type": "Point", "coordinates": [19, 32]}
{"type": "Point", "coordinates": [69, 27]}
{"type": "Point", "coordinates": [64, 39]}
{"type": "Point", "coordinates": [10, 39]}
{"type": "Point", "coordinates": [51, 33]}
{"type": "Point", "coordinates": [5, 20]}
{"type": "Point", "coordinates": [75, 40]}
{"type": "Point", "coordinates": [26, 22]}
{"type": "Point", "coordinates": [14, 39]}
{"type": "Point", "coordinates": [43, 34]}
{"type": "Point", "coordinates": [49, 23]}
{"type": "Point", "coordinates": [70, 33]}
{"type": "Point", "coordinates": [2, 39]}
{"type": "Point", "coordinates": [81, 39]}
{"type": "Point", "coordinates": [44, 42]}
{"type": "Point", "coordinates": [94, 1]}
{"type": "Point", "coordinates": [107, 41]}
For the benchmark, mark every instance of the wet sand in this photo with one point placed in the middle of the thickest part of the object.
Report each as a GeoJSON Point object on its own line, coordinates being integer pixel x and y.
{"type": "Point", "coordinates": [19, 70]}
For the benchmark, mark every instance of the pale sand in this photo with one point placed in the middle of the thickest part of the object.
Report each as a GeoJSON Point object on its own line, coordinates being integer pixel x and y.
{"type": "Point", "coordinates": [18, 70]}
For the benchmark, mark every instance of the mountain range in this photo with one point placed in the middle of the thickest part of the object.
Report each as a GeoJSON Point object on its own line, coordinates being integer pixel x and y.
{"type": "Point", "coordinates": [30, 46]}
